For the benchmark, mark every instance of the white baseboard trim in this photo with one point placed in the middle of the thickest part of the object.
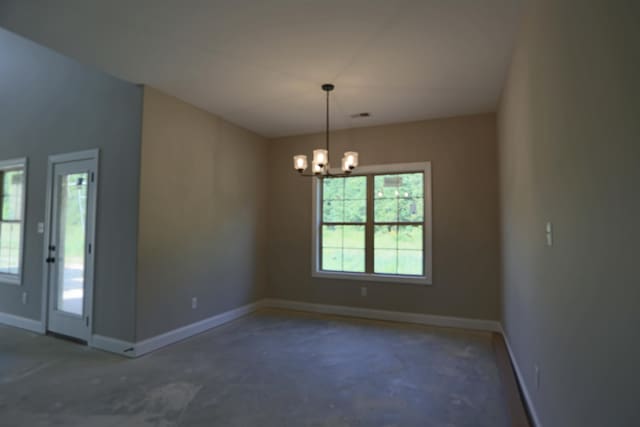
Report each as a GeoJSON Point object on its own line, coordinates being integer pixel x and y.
{"type": "Point", "coordinates": [113, 345]}
{"type": "Point", "coordinates": [522, 384]}
{"type": "Point", "coordinates": [22, 322]}
{"type": "Point", "coordinates": [179, 334]}
{"type": "Point", "coordinates": [394, 316]}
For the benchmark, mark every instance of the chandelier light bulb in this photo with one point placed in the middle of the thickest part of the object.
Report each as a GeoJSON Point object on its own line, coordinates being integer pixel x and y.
{"type": "Point", "coordinates": [321, 157]}
{"type": "Point", "coordinates": [300, 162]}
{"type": "Point", "coordinates": [317, 169]}
{"type": "Point", "coordinates": [351, 159]}
{"type": "Point", "coordinates": [346, 167]}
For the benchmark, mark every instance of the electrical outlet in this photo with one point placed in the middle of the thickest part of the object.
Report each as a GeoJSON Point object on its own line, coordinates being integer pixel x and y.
{"type": "Point", "coordinates": [363, 291]}
{"type": "Point", "coordinates": [194, 303]}
{"type": "Point", "coordinates": [40, 227]}
{"type": "Point", "coordinates": [24, 297]}
{"type": "Point", "coordinates": [536, 371]}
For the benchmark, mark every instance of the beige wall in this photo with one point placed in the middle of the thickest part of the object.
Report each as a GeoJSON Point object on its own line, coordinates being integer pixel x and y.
{"type": "Point", "coordinates": [570, 152]}
{"type": "Point", "coordinates": [202, 228]}
{"type": "Point", "coordinates": [463, 152]}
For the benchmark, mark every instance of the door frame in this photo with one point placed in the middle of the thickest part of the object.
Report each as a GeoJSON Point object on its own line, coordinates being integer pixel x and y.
{"type": "Point", "coordinates": [93, 154]}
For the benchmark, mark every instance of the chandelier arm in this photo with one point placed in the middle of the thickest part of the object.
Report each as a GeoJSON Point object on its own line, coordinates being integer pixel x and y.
{"type": "Point", "coordinates": [326, 175]}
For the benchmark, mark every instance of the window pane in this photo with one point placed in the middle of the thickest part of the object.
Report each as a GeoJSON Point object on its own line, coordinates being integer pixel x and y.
{"type": "Point", "coordinates": [343, 236]}
{"type": "Point", "coordinates": [353, 237]}
{"type": "Point", "coordinates": [399, 197]}
{"type": "Point", "coordinates": [12, 190]}
{"type": "Point", "coordinates": [385, 261]}
{"type": "Point", "coordinates": [398, 249]}
{"type": "Point", "coordinates": [355, 210]}
{"type": "Point", "coordinates": [332, 236]}
{"type": "Point", "coordinates": [355, 188]}
{"type": "Point", "coordinates": [344, 199]}
{"type": "Point", "coordinates": [412, 185]}
{"type": "Point", "coordinates": [410, 237]}
{"type": "Point", "coordinates": [385, 237]}
{"type": "Point", "coordinates": [411, 209]}
{"type": "Point", "coordinates": [410, 262]}
{"type": "Point", "coordinates": [399, 185]}
{"type": "Point", "coordinates": [10, 247]}
{"type": "Point", "coordinates": [333, 188]}
{"type": "Point", "coordinates": [343, 247]}
{"type": "Point", "coordinates": [333, 211]}
{"type": "Point", "coordinates": [332, 259]}
{"type": "Point", "coordinates": [71, 251]}
{"type": "Point", "coordinates": [385, 210]}
{"type": "Point", "coordinates": [353, 260]}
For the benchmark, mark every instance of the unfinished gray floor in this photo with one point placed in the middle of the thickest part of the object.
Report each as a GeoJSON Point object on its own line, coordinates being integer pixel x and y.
{"type": "Point", "coordinates": [272, 368]}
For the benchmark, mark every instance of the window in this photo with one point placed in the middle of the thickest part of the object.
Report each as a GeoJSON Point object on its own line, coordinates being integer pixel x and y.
{"type": "Point", "coordinates": [374, 225]}
{"type": "Point", "coordinates": [12, 204]}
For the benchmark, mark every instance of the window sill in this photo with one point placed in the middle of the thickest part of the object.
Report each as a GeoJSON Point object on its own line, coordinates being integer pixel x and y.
{"type": "Point", "coordinates": [10, 280]}
{"type": "Point", "coordinates": [365, 277]}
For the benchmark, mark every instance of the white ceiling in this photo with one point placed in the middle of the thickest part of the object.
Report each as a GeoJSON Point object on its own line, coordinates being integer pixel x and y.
{"type": "Point", "coordinates": [260, 64]}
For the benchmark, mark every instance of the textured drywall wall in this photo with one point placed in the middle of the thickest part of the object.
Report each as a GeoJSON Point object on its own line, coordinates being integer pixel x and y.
{"type": "Point", "coordinates": [570, 148]}
{"type": "Point", "coordinates": [463, 155]}
{"type": "Point", "coordinates": [50, 104]}
{"type": "Point", "coordinates": [202, 216]}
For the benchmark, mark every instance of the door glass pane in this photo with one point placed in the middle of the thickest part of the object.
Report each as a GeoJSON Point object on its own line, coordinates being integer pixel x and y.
{"type": "Point", "coordinates": [70, 253]}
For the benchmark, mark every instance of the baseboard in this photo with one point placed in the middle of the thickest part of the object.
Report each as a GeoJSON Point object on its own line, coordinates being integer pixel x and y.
{"type": "Point", "coordinates": [112, 345]}
{"type": "Point", "coordinates": [394, 316]}
{"type": "Point", "coordinates": [523, 386]}
{"type": "Point", "coordinates": [22, 322]}
{"type": "Point", "coordinates": [179, 334]}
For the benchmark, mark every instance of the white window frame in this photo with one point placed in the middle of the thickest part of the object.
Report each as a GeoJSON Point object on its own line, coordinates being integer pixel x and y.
{"type": "Point", "coordinates": [316, 211]}
{"type": "Point", "coordinates": [16, 279]}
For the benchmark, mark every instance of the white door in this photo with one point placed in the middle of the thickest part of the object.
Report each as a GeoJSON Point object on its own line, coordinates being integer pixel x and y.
{"type": "Point", "coordinates": [70, 248]}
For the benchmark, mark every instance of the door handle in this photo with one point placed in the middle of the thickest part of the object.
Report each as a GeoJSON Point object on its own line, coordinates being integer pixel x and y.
{"type": "Point", "coordinates": [50, 259]}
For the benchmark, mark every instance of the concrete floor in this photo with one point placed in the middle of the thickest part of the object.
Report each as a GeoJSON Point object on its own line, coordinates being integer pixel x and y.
{"type": "Point", "coordinates": [272, 368]}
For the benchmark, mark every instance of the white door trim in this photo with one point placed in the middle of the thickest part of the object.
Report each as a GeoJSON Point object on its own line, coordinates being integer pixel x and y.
{"type": "Point", "coordinates": [91, 232]}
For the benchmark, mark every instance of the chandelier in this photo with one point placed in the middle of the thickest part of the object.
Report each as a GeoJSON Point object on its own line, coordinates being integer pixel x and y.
{"type": "Point", "coordinates": [320, 164]}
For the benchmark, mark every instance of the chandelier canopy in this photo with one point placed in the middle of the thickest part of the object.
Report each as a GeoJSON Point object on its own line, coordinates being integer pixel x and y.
{"type": "Point", "coordinates": [320, 165]}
